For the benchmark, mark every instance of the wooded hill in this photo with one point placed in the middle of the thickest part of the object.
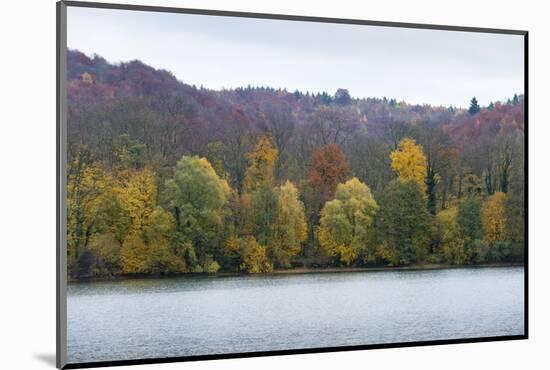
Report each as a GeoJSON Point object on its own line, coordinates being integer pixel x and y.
{"type": "Point", "coordinates": [164, 177]}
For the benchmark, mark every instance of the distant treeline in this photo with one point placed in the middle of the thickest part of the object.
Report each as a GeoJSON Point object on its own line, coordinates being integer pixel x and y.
{"type": "Point", "coordinates": [167, 178]}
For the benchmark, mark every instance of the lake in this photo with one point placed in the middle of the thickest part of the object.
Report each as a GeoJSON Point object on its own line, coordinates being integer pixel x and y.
{"type": "Point", "coordinates": [185, 316]}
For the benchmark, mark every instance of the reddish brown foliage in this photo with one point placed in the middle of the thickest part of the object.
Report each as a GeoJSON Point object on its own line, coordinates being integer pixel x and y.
{"type": "Point", "coordinates": [329, 167]}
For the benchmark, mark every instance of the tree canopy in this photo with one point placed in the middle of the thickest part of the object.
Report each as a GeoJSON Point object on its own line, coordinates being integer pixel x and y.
{"type": "Point", "coordinates": [167, 178]}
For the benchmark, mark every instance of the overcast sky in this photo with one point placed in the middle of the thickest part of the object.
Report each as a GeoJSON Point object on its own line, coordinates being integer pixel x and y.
{"type": "Point", "coordinates": [418, 66]}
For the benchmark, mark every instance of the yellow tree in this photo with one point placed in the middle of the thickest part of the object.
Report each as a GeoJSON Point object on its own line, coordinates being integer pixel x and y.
{"type": "Point", "coordinates": [409, 162]}
{"type": "Point", "coordinates": [289, 226]}
{"type": "Point", "coordinates": [493, 218]}
{"type": "Point", "coordinates": [254, 256]}
{"type": "Point", "coordinates": [447, 234]}
{"type": "Point", "coordinates": [137, 193]}
{"type": "Point", "coordinates": [346, 221]}
{"type": "Point", "coordinates": [86, 186]}
{"type": "Point", "coordinates": [261, 164]}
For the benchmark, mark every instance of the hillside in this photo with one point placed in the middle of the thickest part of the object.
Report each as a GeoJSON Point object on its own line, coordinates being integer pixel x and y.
{"type": "Point", "coordinates": [130, 122]}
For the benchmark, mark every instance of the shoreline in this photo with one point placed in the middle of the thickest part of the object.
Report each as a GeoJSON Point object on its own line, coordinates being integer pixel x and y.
{"type": "Point", "coordinates": [296, 271]}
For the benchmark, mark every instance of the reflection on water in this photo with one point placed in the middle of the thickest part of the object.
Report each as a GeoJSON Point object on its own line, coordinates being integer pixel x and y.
{"type": "Point", "coordinates": [209, 315]}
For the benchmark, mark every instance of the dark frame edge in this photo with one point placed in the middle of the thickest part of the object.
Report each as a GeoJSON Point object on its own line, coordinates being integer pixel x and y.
{"type": "Point", "coordinates": [288, 17]}
{"type": "Point", "coordinates": [526, 186]}
{"type": "Point", "coordinates": [61, 224]}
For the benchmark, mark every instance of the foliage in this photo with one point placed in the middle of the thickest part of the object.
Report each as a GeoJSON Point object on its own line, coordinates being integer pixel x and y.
{"type": "Point", "coordinates": [198, 198]}
{"type": "Point", "coordinates": [262, 162]}
{"type": "Point", "coordinates": [289, 227]}
{"type": "Point", "coordinates": [328, 168]}
{"type": "Point", "coordinates": [474, 106]}
{"type": "Point", "coordinates": [403, 223]}
{"type": "Point", "coordinates": [409, 162]}
{"type": "Point", "coordinates": [346, 221]}
{"type": "Point", "coordinates": [264, 210]}
{"type": "Point", "coordinates": [252, 256]}
{"type": "Point", "coordinates": [141, 200]}
{"type": "Point", "coordinates": [449, 237]}
{"type": "Point", "coordinates": [469, 220]}
{"type": "Point", "coordinates": [493, 218]}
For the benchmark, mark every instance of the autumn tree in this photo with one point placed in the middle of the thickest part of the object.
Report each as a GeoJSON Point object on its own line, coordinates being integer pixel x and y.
{"type": "Point", "coordinates": [87, 184]}
{"type": "Point", "coordinates": [346, 222]}
{"type": "Point", "coordinates": [449, 239]}
{"type": "Point", "coordinates": [328, 167]}
{"type": "Point", "coordinates": [493, 218]}
{"type": "Point", "coordinates": [289, 226]}
{"type": "Point", "coordinates": [215, 153]}
{"type": "Point", "coordinates": [252, 256]}
{"type": "Point", "coordinates": [261, 164]}
{"type": "Point", "coordinates": [264, 210]}
{"type": "Point", "coordinates": [197, 196]}
{"type": "Point", "coordinates": [333, 125]}
{"type": "Point", "coordinates": [137, 193]}
{"type": "Point", "coordinates": [409, 162]}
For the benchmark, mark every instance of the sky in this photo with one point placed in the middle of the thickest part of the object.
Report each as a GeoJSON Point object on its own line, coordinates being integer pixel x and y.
{"type": "Point", "coordinates": [418, 66]}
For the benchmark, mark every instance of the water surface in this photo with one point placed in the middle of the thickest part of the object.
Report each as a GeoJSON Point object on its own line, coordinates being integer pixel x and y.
{"type": "Point", "coordinates": [187, 316]}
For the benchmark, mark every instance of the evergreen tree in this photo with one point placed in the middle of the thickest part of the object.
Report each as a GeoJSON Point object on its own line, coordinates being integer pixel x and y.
{"type": "Point", "coordinates": [474, 107]}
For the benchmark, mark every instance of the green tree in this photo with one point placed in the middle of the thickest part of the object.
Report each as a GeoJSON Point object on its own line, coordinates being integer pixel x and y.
{"type": "Point", "coordinates": [449, 238]}
{"type": "Point", "coordinates": [468, 218]}
{"type": "Point", "coordinates": [215, 153]}
{"type": "Point", "coordinates": [264, 208]}
{"type": "Point", "coordinates": [402, 224]}
{"type": "Point", "coordinates": [474, 107]}
{"type": "Point", "coordinates": [198, 198]}
{"type": "Point", "coordinates": [347, 220]}
{"type": "Point", "coordinates": [289, 226]}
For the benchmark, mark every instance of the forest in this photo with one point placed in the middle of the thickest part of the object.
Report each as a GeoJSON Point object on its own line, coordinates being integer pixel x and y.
{"type": "Point", "coordinates": [168, 178]}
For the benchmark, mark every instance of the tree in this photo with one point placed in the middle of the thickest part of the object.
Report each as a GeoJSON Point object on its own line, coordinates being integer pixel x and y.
{"type": "Point", "coordinates": [328, 167]}
{"type": "Point", "coordinates": [252, 256]}
{"type": "Point", "coordinates": [162, 254]}
{"type": "Point", "coordinates": [402, 224]}
{"type": "Point", "coordinates": [262, 162]}
{"type": "Point", "coordinates": [289, 226]}
{"type": "Point", "coordinates": [215, 155]}
{"type": "Point", "coordinates": [493, 218]}
{"type": "Point", "coordinates": [468, 218]}
{"type": "Point", "coordinates": [333, 125]}
{"type": "Point", "coordinates": [449, 238]}
{"type": "Point", "coordinates": [264, 208]}
{"type": "Point", "coordinates": [342, 97]}
{"type": "Point", "coordinates": [409, 162]}
{"type": "Point", "coordinates": [198, 198]}
{"type": "Point", "coordinates": [137, 193]}
{"type": "Point", "coordinates": [474, 107]}
{"type": "Point", "coordinates": [87, 183]}
{"type": "Point", "coordinates": [134, 255]}
{"type": "Point", "coordinates": [346, 221]}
